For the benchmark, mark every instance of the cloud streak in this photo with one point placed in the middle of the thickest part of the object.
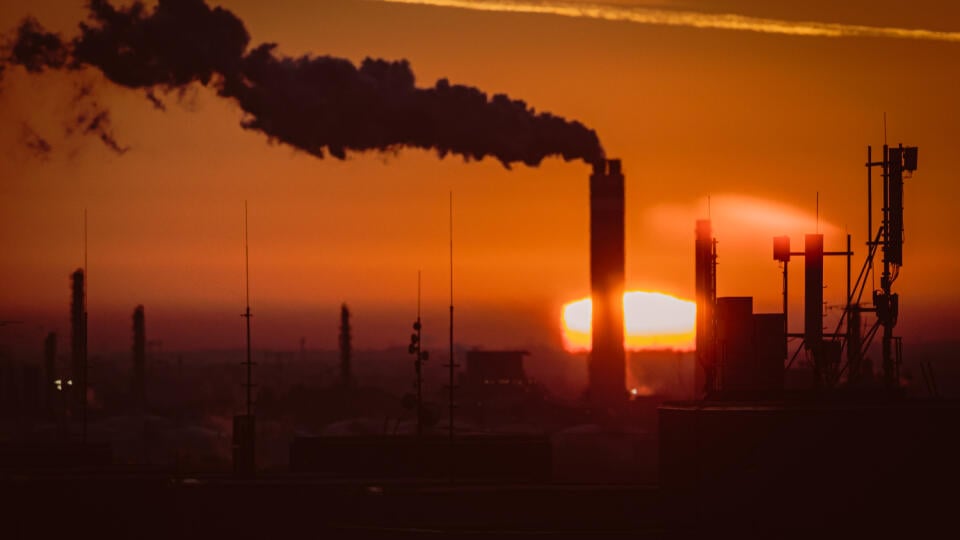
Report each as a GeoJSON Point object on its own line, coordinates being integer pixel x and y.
{"type": "Point", "coordinates": [690, 19]}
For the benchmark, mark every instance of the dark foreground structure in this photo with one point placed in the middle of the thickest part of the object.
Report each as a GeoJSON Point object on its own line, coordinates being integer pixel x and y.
{"type": "Point", "coordinates": [483, 458]}
{"type": "Point", "coordinates": [816, 466]}
{"type": "Point", "coordinates": [147, 506]}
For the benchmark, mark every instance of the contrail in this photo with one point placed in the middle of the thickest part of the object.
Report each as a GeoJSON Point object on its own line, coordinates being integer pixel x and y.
{"type": "Point", "coordinates": [690, 19]}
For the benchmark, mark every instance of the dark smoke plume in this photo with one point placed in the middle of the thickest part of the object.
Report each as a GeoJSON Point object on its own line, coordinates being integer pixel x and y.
{"type": "Point", "coordinates": [36, 144]}
{"type": "Point", "coordinates": [321, 105]}
{"type": "Point", "coordinates": [36, 49]}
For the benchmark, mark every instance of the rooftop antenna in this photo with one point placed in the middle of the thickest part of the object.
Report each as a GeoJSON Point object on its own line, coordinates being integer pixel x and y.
{"type": "Point", "coordinates": [818, 213]}
{"type": "Point", "coordinates": [884, 130]}
{"type": "Point", "coordinates": [420, 359]}
{"type": "Point", "coordinates": [84, 242]}
{"type": "Point", "coordinates": [247, 314]}
{"type": "Point", "coordinates": [452, 364]}
{"type": "Point", "coordinates": [247, 436]}
{"type": "Point", "coordinates": [416, 348]}
{"type": "Point", "coordinates": [86, 371]}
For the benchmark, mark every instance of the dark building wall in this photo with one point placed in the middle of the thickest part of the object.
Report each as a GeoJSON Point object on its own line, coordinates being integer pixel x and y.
{"type": "Point", "coordinates": [809, 465]}
{"type": "Point", "coordinates": [495, 366]}
{"type": "Point", "coordinates": [770, 350]}
{"type": "Point", "coordinates": [50, 371]}
{"type": "Point", "coordinates": [502, 457]}
{"type": "Point", "coordinates": [607, 368]}
{"type": "Point", "coordinates": [735, 341]}
{"type": "Point", "coordinates": [20, 390]}
{"type": "Point", "coordinates": [751, 350]}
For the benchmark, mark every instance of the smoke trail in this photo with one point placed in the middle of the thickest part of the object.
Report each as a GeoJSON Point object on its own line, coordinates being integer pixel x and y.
{"type": "Point", "coordinates": [318, 104]}
{"type": "Point", "coordinates": [36, 144]}
{"type": "Point", "coordinates": [691, 19]}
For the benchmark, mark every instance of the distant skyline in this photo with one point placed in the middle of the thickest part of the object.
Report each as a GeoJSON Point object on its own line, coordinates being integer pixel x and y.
{"type": "Point", "coordinates": [759, 123]}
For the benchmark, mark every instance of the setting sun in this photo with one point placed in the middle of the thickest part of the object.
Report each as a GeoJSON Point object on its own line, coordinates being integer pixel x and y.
{"type": "Point", "coordinates": [653, 321]}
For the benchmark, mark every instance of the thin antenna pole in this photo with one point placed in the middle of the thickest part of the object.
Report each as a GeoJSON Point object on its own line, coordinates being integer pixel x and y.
{"type": "Point", "coordinates": [246, 251]}
{"type": "Point", "coordinates": [818, 213]}
{"type": "Point", "coordinates": [869, 196]}
{"type": "Point", "coordinates": [86, 370]}
{"type": "Point", "coordinates": [249, 459]}
{"type": "Point", "coordinates": [84, 244]}
{"type": "Point", "coordinates": [452, 364]}
{"type": "Point", "coordinates": [418, 327]}
{"type": "Point", "coordinates": [884, 131]}
{"type": "Point", "coordinates": [247, 314]}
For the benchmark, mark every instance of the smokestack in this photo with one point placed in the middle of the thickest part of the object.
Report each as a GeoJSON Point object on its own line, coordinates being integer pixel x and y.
{"type": "Point", "coordinates": [607, 367]}
{"type": "Point", "coordinates": [50, 371]}
{"type": "Point", "coordinates": [78, 340]}
{"type": "Point", "coordinates": [139, 359]}
{"type": "Point", "coordinates": [706, 295]}
{"type": "Point", "coordinates": [346, 347]}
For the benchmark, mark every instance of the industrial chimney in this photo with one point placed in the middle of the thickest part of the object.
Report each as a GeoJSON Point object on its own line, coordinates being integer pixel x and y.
{"type": "Point", "coordinates": [139, 358]}
{"type": "Point", "coordinates": [607, 367]}
{"type": "Point", "coordinates": [50, 372]}
{"type": "Point", "coordinates": [346, 347]}
{"type": "Point", "coordinates": [78, 343]}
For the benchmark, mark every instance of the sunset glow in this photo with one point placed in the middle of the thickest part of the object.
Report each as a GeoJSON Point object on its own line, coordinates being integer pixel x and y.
{"type": "Point", "coordinates": [653, 321]}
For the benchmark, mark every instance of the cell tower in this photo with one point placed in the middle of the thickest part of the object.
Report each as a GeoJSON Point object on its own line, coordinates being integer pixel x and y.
{"type": "Point", "coordinates": [244, 426]}
{"type": "Point", "coordinates": [827, 349]}
{"type": "Point", "coordinates": [421, 356]}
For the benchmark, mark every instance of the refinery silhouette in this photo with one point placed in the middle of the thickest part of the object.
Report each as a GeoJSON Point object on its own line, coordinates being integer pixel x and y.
{"type": "Point", "coordinates": [770, 427]}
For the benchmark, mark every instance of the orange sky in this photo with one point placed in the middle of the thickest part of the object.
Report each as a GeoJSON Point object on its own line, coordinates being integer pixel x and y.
{"type": "Point", "coordinates": [754, 120]}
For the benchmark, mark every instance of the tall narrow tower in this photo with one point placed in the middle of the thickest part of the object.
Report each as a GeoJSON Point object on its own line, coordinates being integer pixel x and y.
{"type": "Point", "coordinates": [607, 274]}
{"type": "Point", "coordinates": [813, 306]}
{"type": "Point", "coordinates": [139, 359]}
{"type": "Point", "coordinates": [50, 372]}
{"type": "Point", "coordinates": [346, 347]}
{"type": "Point", "coordinates": [706, 292]}
{"type": "Point", "coordinates": [78, 341]}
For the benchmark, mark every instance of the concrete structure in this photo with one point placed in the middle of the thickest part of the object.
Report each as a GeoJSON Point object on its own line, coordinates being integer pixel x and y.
{"type": "Point", "coordinates": [495, 368]}
{"type": "Point", "coordinates": [78, 340]}
{"type": "Point", "coordinates": [50, 373]}
{"type": "Point", "coordinates": [813, 305]}
{"type": "Point", "coordinates": [139, 358]}
{"type": "Point", "coordinates": [607, 370]}
{"type": "Point", "coordinates": [751, 351]}
{"type": "Point", "coordinates": [706, 297]}
{"type": "Point", "coordinates": [741, 469]}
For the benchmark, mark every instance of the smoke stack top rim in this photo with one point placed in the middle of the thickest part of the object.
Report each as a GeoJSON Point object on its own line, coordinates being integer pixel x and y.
{"type": "Point", "coordinates": [607, 167]}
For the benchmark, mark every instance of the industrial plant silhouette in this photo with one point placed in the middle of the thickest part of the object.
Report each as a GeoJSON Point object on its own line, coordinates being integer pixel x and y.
{"type": "Point", "coordinates": [774, 431]}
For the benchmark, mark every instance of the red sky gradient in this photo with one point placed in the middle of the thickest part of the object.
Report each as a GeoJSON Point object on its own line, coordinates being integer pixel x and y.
{"type": "Point", "coordinates": [760, 123]}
